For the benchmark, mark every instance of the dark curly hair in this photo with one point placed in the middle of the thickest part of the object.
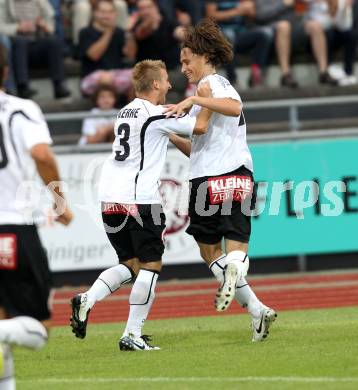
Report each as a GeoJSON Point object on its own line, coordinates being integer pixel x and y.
{"type": "Point", "coordinates": [206, 39]}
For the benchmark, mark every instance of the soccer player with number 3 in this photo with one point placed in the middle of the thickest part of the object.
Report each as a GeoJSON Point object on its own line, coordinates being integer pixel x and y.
{"type": "Point", "coordinates": [131, 209]}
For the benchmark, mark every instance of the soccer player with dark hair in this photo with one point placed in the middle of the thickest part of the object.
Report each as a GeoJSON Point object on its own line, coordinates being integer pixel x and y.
{"type": "Point", "coordinates": [221, 173]}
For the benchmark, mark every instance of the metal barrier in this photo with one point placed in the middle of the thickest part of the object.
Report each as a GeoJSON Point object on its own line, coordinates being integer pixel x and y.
{"type": "Point", "coordinates": [292, 105]}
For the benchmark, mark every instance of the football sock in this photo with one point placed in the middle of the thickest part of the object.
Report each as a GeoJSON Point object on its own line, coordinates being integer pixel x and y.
{"type": "Point", "coordinates": [240, 259]}
{"type": "Point", "coordinates": [140, 300]}
{"type": "Point", "coordinates": [247, 298]}
{"type": "Point", "coordinates": [24, 331]}
{"type": "Point", "coordinates": [108, 281]}
{"type": "Point", "coordinates": [217, 268]}
{"type": "Point", "coordinates": [7, 380]}
{"type": "Point", "coordinates": [244, 294]}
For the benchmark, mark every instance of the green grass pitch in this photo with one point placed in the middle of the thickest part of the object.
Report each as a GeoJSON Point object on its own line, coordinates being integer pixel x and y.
{"type": "Point", "coordinates": [311, 349]}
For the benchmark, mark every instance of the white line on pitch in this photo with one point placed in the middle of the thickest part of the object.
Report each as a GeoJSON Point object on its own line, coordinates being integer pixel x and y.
{"type": "Point", "coordinates": [196, 379]}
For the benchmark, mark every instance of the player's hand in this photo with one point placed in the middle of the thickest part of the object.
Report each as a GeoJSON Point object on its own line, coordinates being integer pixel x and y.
{"type": "Point", "coordinates": [66, 217]}
{"type": "Point", "coordinates": [180, 108]}
{"type": "Point", "coordinates": [204, 90]}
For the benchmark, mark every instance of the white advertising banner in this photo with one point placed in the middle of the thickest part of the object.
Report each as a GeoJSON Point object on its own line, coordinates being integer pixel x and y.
{"type": "Point", "coordinates": [83, 245]}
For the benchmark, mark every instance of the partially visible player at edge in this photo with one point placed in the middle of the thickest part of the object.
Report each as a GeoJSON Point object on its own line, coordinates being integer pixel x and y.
{"type": "Point", "coordinates": [131, 209]}
{"type": "Point", "coordinates": [25, 280]}
{"type": "Point", "coordinates": [221, 170]}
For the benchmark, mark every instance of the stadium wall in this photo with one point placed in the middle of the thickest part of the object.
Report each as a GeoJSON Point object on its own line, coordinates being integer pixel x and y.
{"type": "Point", "coordinates": [306, 215]}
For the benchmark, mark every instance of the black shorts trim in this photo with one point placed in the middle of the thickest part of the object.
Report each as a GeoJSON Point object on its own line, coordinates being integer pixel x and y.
{"type": "Point", "coordinates": [25, 290]}
{"type": "Point", "coordinates": [231, 220]}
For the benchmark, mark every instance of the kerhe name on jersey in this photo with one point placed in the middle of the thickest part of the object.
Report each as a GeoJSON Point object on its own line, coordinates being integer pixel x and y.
{"type": "Point", "coordinates": [131, 173]}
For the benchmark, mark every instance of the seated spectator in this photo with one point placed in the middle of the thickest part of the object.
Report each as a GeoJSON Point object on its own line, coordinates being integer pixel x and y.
{"type": "Point", "coordinates": [9, 82]}
{"type": "Point", "coordinates": [279, 15]}
{"type": "Point", "coordinates": [157, 36]}
{"type": "Point", "coordinates": [103, 48]}
{"type": "Point", "coordinates": [184, 11]}
{"type": "Point", "coordinates": [230, 15]}
{"type": "Point", "coordinates": [30, 25]}
{"type": "Point", "coordinates": [100, 129]}
{"type": "Point", "coordinates": [336, 18]}
{"type": "Point", "coordinates": [82, 15]}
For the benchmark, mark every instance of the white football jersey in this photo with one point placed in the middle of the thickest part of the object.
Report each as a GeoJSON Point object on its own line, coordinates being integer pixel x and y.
{"type": "Point", "coordinates": [131, 173]}
{"type": "Point", "coordinates": [223, 148]}
{"type": "Point", "coordinates": [22, 126]}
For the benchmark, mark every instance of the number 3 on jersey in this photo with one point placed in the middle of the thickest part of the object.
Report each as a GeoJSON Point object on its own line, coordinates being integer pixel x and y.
{"type": "Point", "coordinates": [123, 134]}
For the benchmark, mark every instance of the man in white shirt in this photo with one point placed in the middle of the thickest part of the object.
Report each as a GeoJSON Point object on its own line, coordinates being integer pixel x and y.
{"type": "Point", "coordinates": [24, 273]}
{"type": "Point", "coordinates": [221, 174]}
{"type": "Point", "coordinates": [131, 209]}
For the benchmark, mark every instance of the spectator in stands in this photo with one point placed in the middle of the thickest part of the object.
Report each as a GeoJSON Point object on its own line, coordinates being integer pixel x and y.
{"type": "Point", "coordinates": [336, 18]}
{"type": "Point", "coordinates": [181, 9]}
{"type": "Point", "coordinates": [56, 5]}
{"type": "Point", "coordinates": [279, 15]}
{"type": "Point", "coordinates": [230, 15]}
{"type": "Point", "coordinates": [9, 82]}
{"type": "Point", "coordinates": [82, 15]}
{"type": "Point", "coordinates": [156, 35]}
{"type": "Point", "coordinates": [100, 129]}
{"type": "Point", "coordinates": [103, 48]}
{"type": "Point", "coordinates": [30, 25]}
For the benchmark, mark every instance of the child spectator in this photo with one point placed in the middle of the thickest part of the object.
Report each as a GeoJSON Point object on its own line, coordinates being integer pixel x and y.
{"type": "Point", "coordinates": [100, 129]}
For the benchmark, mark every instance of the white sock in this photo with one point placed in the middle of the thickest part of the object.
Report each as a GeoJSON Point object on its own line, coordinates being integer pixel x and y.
{"type": "Point", "coordinates": [140, 300]}
{"type": "Point", "coordinates": [247, 298]}
{"type": "Point", "coordinates": [7, 380]}
{"type": "Point", "coordinates": [217, 268]}
{"type": "Point", "coordinates": [244, 294]}
{"type": "Point", "coordinates": [23, 331]}
{"type": "Point", "coordinates": [241, 260]}
{"type": "Point", "coordinates": [108, 281]}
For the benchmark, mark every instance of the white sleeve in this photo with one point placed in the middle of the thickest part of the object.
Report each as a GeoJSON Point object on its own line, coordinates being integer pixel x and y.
{"type": "Point", "coordinates": [223, 89]}
{"type": "Point", "coordinates": [31, 124]}
{"type": "Point", "coordinates": [183, 125]}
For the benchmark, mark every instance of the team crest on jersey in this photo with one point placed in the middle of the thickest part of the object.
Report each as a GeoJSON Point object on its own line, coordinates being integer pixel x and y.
{"type": "Point", "coordinates": [234, 187]}
{"type": "Point", "coordinates": [8, 252]}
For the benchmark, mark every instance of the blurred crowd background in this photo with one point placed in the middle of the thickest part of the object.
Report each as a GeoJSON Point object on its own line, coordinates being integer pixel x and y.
{"type": "Point", "coordinates": [104, 38]}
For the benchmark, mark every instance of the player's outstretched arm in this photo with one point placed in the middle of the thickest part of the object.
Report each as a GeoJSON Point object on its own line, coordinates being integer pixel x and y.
{"type": "Point", "coordinates": [224, 106]}
{"type": "Point", "coordinates": [183, 144]}
{"type": "Point", "coordinates": [47, 168]}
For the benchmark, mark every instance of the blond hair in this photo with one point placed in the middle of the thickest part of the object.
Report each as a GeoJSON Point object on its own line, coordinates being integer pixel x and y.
{"type": "Point", "coordinates": [145, 72]}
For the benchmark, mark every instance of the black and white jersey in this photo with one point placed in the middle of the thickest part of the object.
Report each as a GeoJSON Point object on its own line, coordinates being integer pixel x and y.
{"type": "Point", "coordinates": [131, 173]}
{"type": "Point", "coordinates": [223, 148]}
{"type": "Point", "coordinates": [22, 126]}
